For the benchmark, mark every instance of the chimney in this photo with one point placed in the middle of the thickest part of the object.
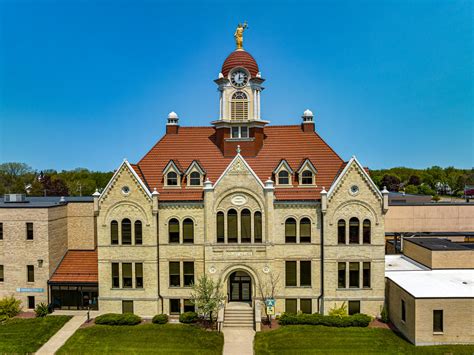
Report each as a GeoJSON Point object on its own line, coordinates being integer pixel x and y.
{"type": "Point", "coordinates": [308, 122]}
{"type": "Point", "coordinates": [172, 126]}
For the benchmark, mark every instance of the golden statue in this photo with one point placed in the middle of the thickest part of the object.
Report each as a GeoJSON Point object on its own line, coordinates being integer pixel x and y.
{"type": "Point", "coordinates": [239, 35]}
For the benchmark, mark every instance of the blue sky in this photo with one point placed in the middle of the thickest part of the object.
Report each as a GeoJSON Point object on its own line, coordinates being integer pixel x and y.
{"type": "Point", "coordinates": [88, 83]}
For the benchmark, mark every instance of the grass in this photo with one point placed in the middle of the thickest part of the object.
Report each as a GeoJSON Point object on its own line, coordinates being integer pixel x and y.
{"type": "Point", "coordinates": [22, 336]}
{"type": "Point", "coordinates": [144, 338]}
{"type": "Point", "coordinates": [308, 339]}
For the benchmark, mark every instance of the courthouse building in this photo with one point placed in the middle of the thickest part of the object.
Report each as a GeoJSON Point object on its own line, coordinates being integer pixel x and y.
{"type": "Point", "coordinates": [244, 202]}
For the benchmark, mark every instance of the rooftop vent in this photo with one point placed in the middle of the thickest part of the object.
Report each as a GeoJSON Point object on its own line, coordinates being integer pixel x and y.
{"type": "Point", "coordinates": [9, 198]}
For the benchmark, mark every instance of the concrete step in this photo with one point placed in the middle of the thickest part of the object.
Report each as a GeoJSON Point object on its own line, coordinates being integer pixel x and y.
{"type": "Point", "coordinates": [237, 312]}
{"type": "Point", "coordinates": [238, 325]}
{"type": "Point", "coordinates": [238, 316]}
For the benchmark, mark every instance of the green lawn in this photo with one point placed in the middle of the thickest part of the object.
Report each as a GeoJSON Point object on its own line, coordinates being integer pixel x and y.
{"type": "Point", "coordinates": [144, 338]}
{"type": "Point", "coordinates": [22, 336]}
{"type": "Point", "coordinates": [307, 339]}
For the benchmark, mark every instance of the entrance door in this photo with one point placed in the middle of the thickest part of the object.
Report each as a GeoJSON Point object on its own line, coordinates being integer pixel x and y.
{"type": "Point", "coordinates": [240, 285]}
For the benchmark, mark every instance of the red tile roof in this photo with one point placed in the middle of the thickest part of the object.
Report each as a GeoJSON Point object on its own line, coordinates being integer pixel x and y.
{"type": "Point", "coordinates": [281, 142]}
{"type": "Point", "coordinates": [240, 58]}
{"type": "Point", "coordinates": [78, 266]}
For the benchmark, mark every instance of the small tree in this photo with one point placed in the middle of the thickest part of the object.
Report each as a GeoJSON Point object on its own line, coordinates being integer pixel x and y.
{"type": "Point", "coordinates": [267, 288]}
{"type": "Point", "coordinates": [207, 296]}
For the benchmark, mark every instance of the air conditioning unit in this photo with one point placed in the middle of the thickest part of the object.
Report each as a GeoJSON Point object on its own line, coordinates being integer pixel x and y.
{"type": "Point", "coordinates": [15, 198]}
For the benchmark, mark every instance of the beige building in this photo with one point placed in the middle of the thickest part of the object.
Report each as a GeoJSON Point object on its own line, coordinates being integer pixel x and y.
{"type": "Point", "coordinates": [35, 234]}
{"type": "Point", "coordinates": [246, 203]}
{"type": "Point", "coordinates": [430, 291]}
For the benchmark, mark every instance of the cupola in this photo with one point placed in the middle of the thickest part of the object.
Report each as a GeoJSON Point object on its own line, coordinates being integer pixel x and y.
{"type": "Point", "coordinates": [308, 121]}
{"type": "Point", "coordinates": [172, 125]}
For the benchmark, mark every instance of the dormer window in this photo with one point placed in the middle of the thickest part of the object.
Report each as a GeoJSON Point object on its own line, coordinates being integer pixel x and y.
{"type": "Point", "coordinates": [172, 179]}
{"type": "Point", "coordinates": [283, 178]}
{"type": "Point", "coordinates": [307, 173]}
{"type": "Point", "coordinates": [283, 173]}
{"type": "Point", "coordinates": [194, 174]}
{"type": "Point", "coordinates": [306, 178]}
{"type": "Point", "coordinates": [172, 174]}
{"type": "Point", "coordinates": [195, 179]}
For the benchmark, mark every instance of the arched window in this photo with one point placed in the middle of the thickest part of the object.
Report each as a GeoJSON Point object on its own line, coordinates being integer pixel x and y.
{"type": "Point", "coordinates": [290, 230]}
{"type": "Point", "coordinates": [173, 230]}
{"type": "Point", "coordinates": [366, 231]}
{"type": "Point", "coordinates": [126, 231]}
{"type": "Point", "coordinates": [306, 178]}
{"type": "Point", "coordinates": [188, 231]}
{"type": "Point", "coordinates": [138, 233]}
{"type": "Point", "coordinates": [245, 226]}
{"type": "Point", "coordinates": [283, 177]}
{"type": "Point", "coordinates": [114, 238]}
{"type": "Point", "coordinates": [305, 230]}
{"type": "Point", "coordinates": [195, 179]}
{"type": "Point", "coordinates": [239, 106]}
{"type": "Point", "coordinates": [257, 227]}
{"type": "Point", "coordinates": [172, 179]}
{"type": "Point", "coordinates": [353, 231]}
{"type": "Point", "coordinates": [220, 227]}
{"type": "Point", "coordinates": [232, 229]}
{"type": "Point", "coordinates": [341, 232]}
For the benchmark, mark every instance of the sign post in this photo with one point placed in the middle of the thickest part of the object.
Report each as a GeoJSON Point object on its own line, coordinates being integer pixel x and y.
{"type": "Point", "coordinates": [270, 303]}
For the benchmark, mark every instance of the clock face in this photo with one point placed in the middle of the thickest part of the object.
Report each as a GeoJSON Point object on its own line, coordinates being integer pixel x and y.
{"type": "Point", "coordinates": [239, 78]}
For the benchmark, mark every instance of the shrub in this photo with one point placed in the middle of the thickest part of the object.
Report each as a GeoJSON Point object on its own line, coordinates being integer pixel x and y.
{"type": "Point", "coordinates": [9, 306]}
{"type": "Point", "coordinates": [188, 317]}
{"type": "Point", "coordinates": [160, 319]}
{"type": "Point", "coordinates": [3, 318]}
{"type": "Point", "coordinates": [384, 315]}
{"type": "Point", "coordinates": [339, 311]}
{"type": "Point", "coordinates": [42, 310]}
{"type": "Point", "coordinates": [356, 320]}
{"type": "Point", "coordinates": [118, 319]}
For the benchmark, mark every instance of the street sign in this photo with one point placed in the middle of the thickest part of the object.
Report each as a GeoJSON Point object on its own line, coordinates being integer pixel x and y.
{"type": "Point", "coordinates": [270, 310]}
{"type": "Point", "coordinates": [270, 302]}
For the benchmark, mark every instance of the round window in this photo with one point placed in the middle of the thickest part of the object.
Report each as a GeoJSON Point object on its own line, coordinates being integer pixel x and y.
{"type": "Point", "coordinates": [354, 189]}
{"type": "Point", "coordinates": [125, 190]}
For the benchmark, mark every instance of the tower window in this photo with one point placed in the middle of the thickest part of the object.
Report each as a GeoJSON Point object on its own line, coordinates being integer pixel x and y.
{"type": "Point", "coordinates": [283, 178]}
{"type": "Point", "coordinates": [239, 106]}
{"type": "Point", "coordinates": [172, 179]}
{"type": "Point", "coordinates": [240, 132]}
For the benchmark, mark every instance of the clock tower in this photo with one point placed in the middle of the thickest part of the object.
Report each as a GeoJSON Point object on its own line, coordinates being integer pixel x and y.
{"type": "Point", "coordinates": [240, 86]}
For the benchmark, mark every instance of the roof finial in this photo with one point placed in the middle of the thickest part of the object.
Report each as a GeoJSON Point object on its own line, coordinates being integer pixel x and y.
{"type": "Point", "coordinates": [239, 35]}
{"type": "Point", "coordinates": [238, 149]}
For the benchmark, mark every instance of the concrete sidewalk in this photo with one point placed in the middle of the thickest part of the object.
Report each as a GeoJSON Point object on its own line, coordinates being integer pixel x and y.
{"type": "Point", "coordinates": [238, 341]}
{"type": "Point", "coordinates": [63, 334]}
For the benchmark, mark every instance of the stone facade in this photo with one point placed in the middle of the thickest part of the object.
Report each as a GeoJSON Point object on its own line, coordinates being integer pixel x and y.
{"type": "Point", "coordinates": [239, 188]}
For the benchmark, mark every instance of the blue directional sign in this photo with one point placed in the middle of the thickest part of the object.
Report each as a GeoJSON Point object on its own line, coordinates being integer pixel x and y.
{"type": "Point", "coordinates": [270, 302]}
{"type": "Point", "coordinates": [30, 290]}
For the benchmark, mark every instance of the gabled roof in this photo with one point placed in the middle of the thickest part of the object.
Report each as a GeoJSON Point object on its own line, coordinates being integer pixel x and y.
{"type": "Point", "coordinates": [77, 266]}
{"type": "Point", "coordinates": [237, 158]}
{"type": "Point", "coordinates": [365, 175]}
{"type": "Point", "coordinates": [175, 165]}
{"type": "Point", "coordinates": [195, 164]}
{"type": "Point", "coordinates": [306, 162]}
{"type": "Point", "coordinates": [283, 163]}
{"type": "Point", "coordinates": [135, 171]}
{"type": "Point", "coordinates": [281, 142]}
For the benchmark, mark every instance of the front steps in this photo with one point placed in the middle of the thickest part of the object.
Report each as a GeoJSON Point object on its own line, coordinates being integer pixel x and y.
{"type": "Point", "coordinates": [238, 315]}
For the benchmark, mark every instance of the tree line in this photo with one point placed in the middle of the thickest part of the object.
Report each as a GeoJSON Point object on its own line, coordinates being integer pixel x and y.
{"type": "Point", "coordinates": [432, 181]}
{"type": "Point", "coordinates": [21, 178]}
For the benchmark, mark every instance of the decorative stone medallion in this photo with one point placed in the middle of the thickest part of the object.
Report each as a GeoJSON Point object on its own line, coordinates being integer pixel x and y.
{"type": "Point", "coordinates": [212, 269]}
{"type": "Point", "coordinates": [266, 269]}
{"type": "Point", "coordinates": [125, 190]}
{"type": "Point", "coordinates": [354, 190]}
{"type": "Point", "coordinates": [239, 200]}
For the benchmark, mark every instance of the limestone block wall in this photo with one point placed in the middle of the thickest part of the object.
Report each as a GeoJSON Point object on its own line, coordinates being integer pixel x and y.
{"type": "Point", "coordinates": [395, 295]}
{"type": "Point", "coordinates": [81, 230]}
{"type": "Point", "coordinates": [16, 252]}
{"type": "Point", "coordinates": [136, 204]}
{"type": "Point", "coordinates": [344, 204]}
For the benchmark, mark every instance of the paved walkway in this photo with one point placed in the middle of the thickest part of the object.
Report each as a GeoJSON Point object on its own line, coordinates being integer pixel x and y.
{"type": "Point", "coordinates": [238, 341]}
{"type": "Point", "coordinates": [63, 334]}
